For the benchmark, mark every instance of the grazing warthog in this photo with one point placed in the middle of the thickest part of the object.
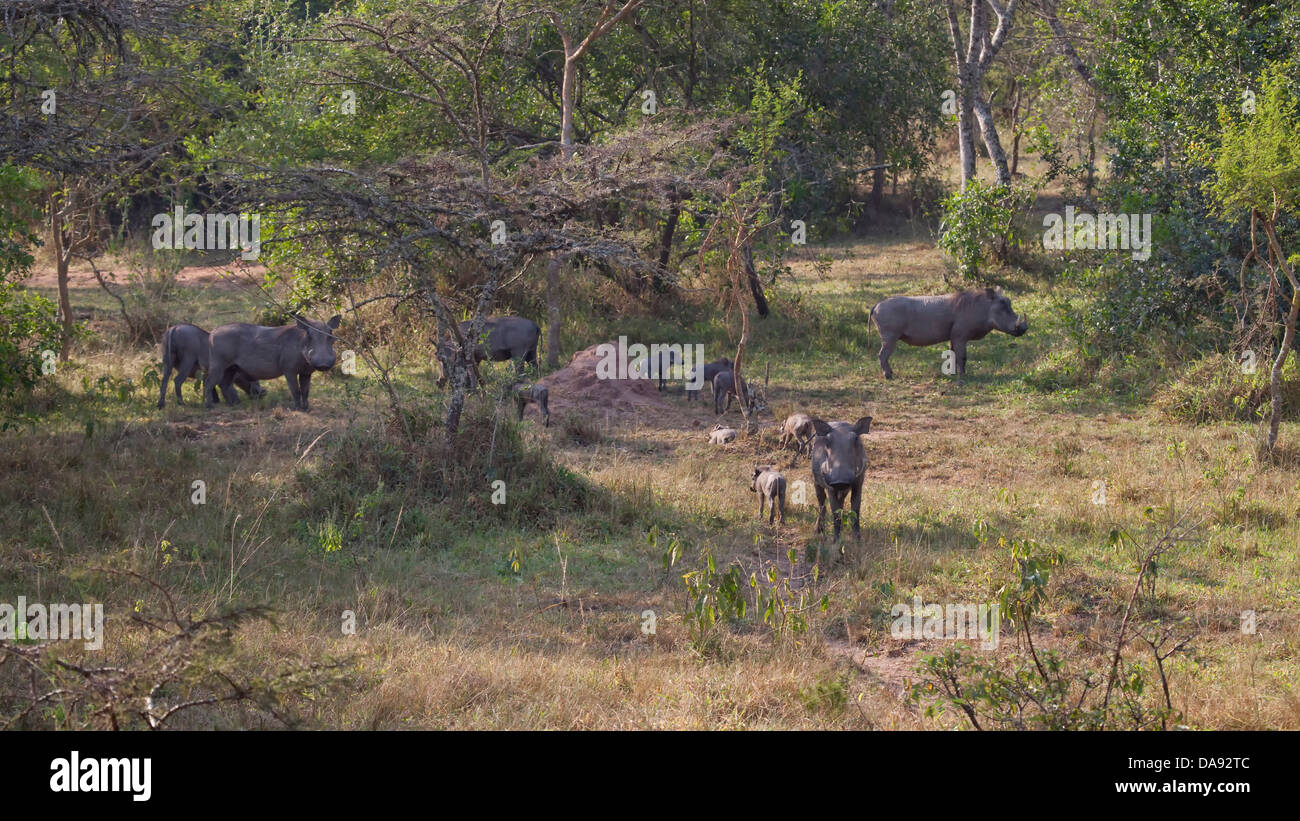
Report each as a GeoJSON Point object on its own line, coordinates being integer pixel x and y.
{"type": "Point", "coordinates": [508, 337]}
{"type": "Point", "coordinates": [839, 463]}
{"type": "Point", "coordinates": [721, 436]}
{"type": "Point", "coordinates": [724, 387]}
{"type": "Point", "coordinates": [293, 351]}
{"type": "Point", "coordinates": [770, 486]}
{"type": "Point", "coordinates": [955, 319]}
{"type": "Point", "coordinates": [533, 394]}
{"type": "Point", "coordinates": [798, 428]}
{"type": "Point", "coordinates": [185, 349]}
{"type": "Point", "coordinates": [710, 370]}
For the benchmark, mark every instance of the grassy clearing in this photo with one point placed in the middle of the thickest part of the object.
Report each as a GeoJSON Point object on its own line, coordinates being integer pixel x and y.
{"type": "Point", "coordinates": [528, 615]}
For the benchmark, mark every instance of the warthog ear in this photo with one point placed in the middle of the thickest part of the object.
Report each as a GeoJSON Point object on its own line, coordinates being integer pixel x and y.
{"type": "Point", "coordinates": [862, 426]}
{"type": "Point", "coordinates": [334, 322]}
{"type": "Point", "coordinates": [821, 427]}
{"type": "Point", "coordinates": [301, 323]}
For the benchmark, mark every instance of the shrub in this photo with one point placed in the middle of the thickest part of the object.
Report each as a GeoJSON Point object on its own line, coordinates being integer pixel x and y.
{"type": "Point", "coordinates": [1216, 389]}
{"type": "Point", "coordinates": [28, 323]}
{"type": "Point", "coordinates": [982, 222]}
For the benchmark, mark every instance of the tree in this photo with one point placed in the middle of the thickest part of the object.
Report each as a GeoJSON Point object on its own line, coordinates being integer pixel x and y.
{"type": "Point", "coordinates": [93, 102]}
{"type": "Point", "coordinates": [611, 14]}
{"type": "Point", "coordinates": [1257, 171]}
{"type": "Point", "coordinates": [972, 60]}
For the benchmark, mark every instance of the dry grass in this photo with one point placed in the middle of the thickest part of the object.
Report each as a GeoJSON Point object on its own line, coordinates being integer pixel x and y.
{"type": "Point", "coordinates": [467, 622]}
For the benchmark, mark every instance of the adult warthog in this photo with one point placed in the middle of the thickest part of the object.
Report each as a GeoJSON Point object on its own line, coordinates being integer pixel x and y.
{"type": "Point", "coordinates": [724, 387]}
{"type": "Point", "coordinates": [839, 464]}
{"type": "Point", "coordinates": [293, 351]}
{"type": "Point", "coordinates": [955, 319]}
{"type": "Point", "coordinates": [508, 337]}
{"type": "Point", "coordinates": [185, 350]}
{"type": "Point", "coordinates": [711, 370]}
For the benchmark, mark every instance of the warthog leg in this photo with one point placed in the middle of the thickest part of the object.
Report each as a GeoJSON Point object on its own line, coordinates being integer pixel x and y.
{"type": "Point", "coordinates": [821, 509]}
{"type": "Point", "coordinates": [959, 353]}
{"type": "Point", "coordinates": [887, 344]}
{"type": "Point", "coordinates": [304, 388]}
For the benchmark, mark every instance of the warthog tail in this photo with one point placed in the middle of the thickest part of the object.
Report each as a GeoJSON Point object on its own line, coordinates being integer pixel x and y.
{"type": "Point", "coordinates": [167, 347]}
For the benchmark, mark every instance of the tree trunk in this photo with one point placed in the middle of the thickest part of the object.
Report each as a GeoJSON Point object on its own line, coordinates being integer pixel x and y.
{"type": "Point", "coordinates": [1275, 376]}
{"type": "Point", "coordinates": [972, 61]}
{"type": "Point", "coordinates": [59, 245]}
{"type": "Point", "coordinates": [989, 131]}
{"type": "Point", "coordinates": [878, 179]}
{"type": "Point", "coordinates": [755, 286]}
{"type": "Point", "coordinates": [1015, 130]}
{"type": "Point", "coordinates": [1288, 337]}
{"type": "Point", "coordinates": [567, 85]}
{"type": "Point", "coordinates": [966, 138]}
{"type": "Point", "coordinates": [666, 245]}
{"type": "Point", "coordinates": [553, 314]}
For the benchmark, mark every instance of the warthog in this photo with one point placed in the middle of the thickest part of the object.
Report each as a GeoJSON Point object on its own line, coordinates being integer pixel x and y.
{"type": "Point", "coordinates": [185, 349]}
{"type": "Point", "coordinates": [798, 428]}
{"type": "Point", "coordinates": [955, 319]}
{"type": "Point", "coordinates": [724, 387]}
{"type": "Point", "coordinates": [839, 463]}
{"type": "Point", "coordinates": [657, 365]}
{"type": "Point", "coordinates": [533, 394]}
{"type": "Point", "coordinates": [508, 337]}
{"type": "Point", "coordinates": [293, 351]}
{"type": "Point", "coordinates": [710, 370]}
{"type": "Point", "coordinates": [770, 486]}
{"type": "Point", "coordinates": [721, 436]}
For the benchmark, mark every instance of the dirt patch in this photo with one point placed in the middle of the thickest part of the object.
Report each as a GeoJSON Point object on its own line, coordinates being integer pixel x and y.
{"type": "Point", "coordinates": [229, 276]}
{"type": "Point", "coordinates": [577, 388]}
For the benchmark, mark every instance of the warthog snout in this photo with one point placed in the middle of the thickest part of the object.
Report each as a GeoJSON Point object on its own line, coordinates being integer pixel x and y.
{"type": "Point", "coordinates": [319, 351]}
{"type": "Point", "coordinates": [1021, 327]}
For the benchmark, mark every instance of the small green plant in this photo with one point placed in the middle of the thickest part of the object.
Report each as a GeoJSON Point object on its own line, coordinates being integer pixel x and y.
{"type": "Point", "coordinates": [330, 537]}
{"type": "Point", "coordinates": [672, 551]}
{"type": "Point", "coordinates": [829, 694]}
{"type": "Point", "coordinates": [712, 597]}
{"type": "Point", "coordinates": [782, 606]}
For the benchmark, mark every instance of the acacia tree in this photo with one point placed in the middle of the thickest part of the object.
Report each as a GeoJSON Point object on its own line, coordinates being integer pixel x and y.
{"type": "Point", "coordinates": [1257, 171]}
{"type": "Point", "coordinates": [422, 215]}
{"type": "Point", "coordinates": [92, 102]}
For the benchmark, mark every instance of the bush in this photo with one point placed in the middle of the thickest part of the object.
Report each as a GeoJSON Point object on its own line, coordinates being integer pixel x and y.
{"type": "Point", "coordinates": [983, 222]}
{"type": "Point", "coordinates": [1135, 302]}
{"type": "Point", "coordinates": [28, 327]}
{"type": "Point", "coordinates": [28, 322]}
{"type": "Point", "coordinates": [455, 483]}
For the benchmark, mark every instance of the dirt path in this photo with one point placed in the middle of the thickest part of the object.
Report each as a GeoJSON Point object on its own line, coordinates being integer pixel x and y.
{"type": "Point", "coordinates": [232, 276]}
